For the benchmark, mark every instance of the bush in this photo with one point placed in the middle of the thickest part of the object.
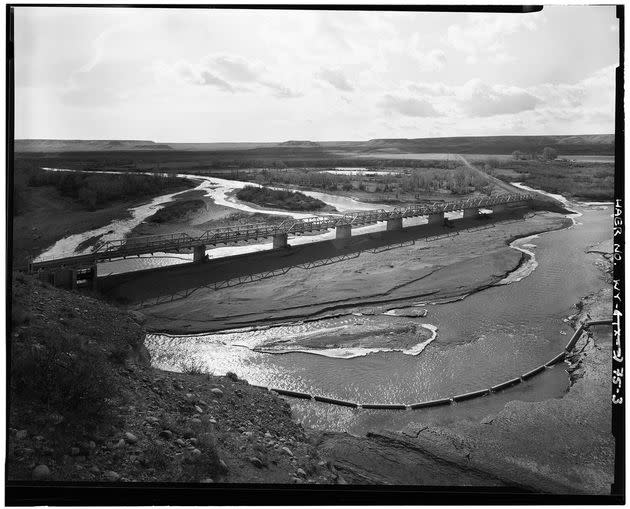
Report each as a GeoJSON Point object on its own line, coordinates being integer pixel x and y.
{"type": "Point", "coordinates": [280, 199]}
{"type": "Point", "coordinates": [549, 153]}
{"type": "Point", "coordinates": [176, 211]}
{"type": "Point", "coordinates": [97, 190]}
{"type": "Point", "coordinates": [62, 374]}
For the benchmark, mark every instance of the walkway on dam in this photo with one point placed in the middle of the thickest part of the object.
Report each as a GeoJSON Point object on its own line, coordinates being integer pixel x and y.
{"type": "Point", "coordinates": [279, 233]}
{"type": "Point", "coordinates": [177, 282]}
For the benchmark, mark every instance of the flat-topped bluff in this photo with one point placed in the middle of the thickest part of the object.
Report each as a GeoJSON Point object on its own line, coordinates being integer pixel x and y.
{"type": "Point", "coordinates": [44, 145]}
{"type": "Point", "coordinates": [583, 144]}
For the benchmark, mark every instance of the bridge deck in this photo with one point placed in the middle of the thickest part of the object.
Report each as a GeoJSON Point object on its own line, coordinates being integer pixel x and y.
{"type": "Point", "coordinates": [231, 235]}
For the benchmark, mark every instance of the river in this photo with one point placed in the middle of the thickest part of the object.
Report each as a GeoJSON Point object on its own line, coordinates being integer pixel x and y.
{"type": "Point", "coordinates": [483, 339]}
{"type": "Point", "coordinates": [480, 340]}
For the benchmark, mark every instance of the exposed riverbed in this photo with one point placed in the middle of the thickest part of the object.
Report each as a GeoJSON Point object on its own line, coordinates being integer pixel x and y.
{"type": "Point", "coordinates": [373, 357]}
{"type": "Point", "coordinates": [483, 339]}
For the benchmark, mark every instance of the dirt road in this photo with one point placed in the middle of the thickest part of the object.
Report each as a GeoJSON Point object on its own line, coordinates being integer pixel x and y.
{"type": "Point", "coordinates": [504, 186]}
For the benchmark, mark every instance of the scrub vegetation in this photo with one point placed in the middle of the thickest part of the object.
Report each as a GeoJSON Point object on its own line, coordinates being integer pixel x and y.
{"type": "Point", "coordinates": [177, 211]}
{"type": "Point", "coordinates": [278, 199]}
{"type": "Point", "coordinates": [97, 190]}
{"type": "Point", "coordinates": [586, 180]}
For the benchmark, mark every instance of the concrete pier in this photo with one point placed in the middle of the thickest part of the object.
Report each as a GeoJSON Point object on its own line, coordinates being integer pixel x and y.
{"type": "Point", "coordinates": [280, 240]}
{"type": "Point", "coordinates": [470, 213]}
{"type": "Point", "coordinates": [199, 253]}
{"type": "Point", "coordinates": [343, 231]}
{"type": "Point", "coordinates": [94, 274]}
{"type": "Point", "coordinates": [65, 278]}
{"type": "Point", "coordinates": [437, 218]}
{"type": "Point", "coordinates": [395, 224]}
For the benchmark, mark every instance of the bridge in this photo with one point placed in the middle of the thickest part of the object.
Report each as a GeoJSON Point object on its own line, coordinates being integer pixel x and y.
{"type": "Point", "coordinates": [65, 270]}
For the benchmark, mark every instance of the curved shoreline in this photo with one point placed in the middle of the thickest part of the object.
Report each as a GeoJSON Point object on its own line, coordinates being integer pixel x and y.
{"type": "Point", "coordinates": [446, 400]}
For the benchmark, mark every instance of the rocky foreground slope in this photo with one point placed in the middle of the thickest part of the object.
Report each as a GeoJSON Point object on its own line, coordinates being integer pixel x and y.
{"type": "Point", "coordinates": [85, 405]}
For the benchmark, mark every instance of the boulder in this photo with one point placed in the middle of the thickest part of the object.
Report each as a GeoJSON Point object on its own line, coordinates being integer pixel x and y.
{"type": "Point", "coordinates": [138, 317]}
{"type": "Point", "coordinates": [131, 438]}
{"type": "Point", "coordinates": [112, 476]}
{"type": "Point", "coordinates": [256, 462]}
{"type": "Point", "coordinates": [41, 473]}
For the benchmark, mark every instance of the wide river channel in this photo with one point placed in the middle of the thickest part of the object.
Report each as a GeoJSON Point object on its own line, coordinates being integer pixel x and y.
{"type": "Point", "coordinates": [481, 340]}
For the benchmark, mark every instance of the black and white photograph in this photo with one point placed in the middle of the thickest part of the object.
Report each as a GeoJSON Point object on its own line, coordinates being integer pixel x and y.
{"type": "Point", "coordinates": [314, 254]}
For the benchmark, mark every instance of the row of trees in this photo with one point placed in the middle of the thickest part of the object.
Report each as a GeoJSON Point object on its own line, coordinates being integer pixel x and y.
{"type": "Point", "coordinates": [95, 191]}
{"type": "Point", "coordinates": [547, 154]}
{"type": "Point", "coordinates": [457, 180]}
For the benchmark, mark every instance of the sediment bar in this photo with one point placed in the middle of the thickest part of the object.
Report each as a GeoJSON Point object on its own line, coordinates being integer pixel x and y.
{"type": "Point", "coordinates": [443, 401]}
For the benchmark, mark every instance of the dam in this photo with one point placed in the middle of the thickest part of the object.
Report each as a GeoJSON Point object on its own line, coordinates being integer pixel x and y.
{"type": "Point", "coordinates": [67, 271]}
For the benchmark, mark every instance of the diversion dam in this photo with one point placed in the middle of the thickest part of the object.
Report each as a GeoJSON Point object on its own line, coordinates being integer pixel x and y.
{"type": "Point", "coordinates": [483, 340]}
{"type": "Point", "coordinates": [68, 271]}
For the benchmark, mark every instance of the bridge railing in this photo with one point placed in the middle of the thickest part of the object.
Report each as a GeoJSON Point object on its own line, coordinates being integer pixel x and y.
{"type": "Point", "coordinates": [228, 234]}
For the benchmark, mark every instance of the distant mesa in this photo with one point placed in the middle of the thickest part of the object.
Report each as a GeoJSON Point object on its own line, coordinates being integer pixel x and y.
{"type": "Point", "coordinates": [299, 143]}
{"type": "Point", "coordinates": [87, 145]}
{"type": "Point", "coordinates": [565, 144]}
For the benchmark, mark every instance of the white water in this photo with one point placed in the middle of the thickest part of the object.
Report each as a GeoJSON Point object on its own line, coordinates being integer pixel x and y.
{"type": "Point", "coordinates": [526, 268]}
{"type": "Point", "coordinates": [258, 339]}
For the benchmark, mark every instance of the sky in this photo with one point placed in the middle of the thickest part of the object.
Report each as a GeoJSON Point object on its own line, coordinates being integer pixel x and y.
{"type": "Point", "coordinates": [204, 75]}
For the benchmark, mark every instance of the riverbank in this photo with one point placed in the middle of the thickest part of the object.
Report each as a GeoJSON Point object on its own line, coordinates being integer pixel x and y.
{"type": "Point", "coordinates": [87, 406]}
{"type": "Point", "coordinates": [413, 272]}
{"type": "Point", "coordinates": [47, 216]}
{"type": "Point", "coordinates": [555, 446]}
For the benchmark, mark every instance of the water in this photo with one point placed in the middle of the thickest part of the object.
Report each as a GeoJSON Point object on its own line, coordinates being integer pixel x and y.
{"type": "Point", "coordinates": [482, 340]}
{"type": "Point", "coordinates": [221, 191]}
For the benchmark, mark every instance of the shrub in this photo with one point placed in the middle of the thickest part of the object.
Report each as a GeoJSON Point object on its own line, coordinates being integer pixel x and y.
{"type": "Point", "coordinates": [62, 374]}
{"type": "Point", "coordinates": [19, 315]}
{"type": "Point", "coordinates": [97, 190]}
{"type": "Point", "coordinates": [192, 367]}
{"type": "Point", "coordinates": [549, 153]}
{"type": "Point", "coordinates": [280, 199]}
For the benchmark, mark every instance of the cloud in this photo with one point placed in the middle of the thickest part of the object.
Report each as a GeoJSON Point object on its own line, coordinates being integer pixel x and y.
{"type": "Point", "coordinates": [408, 106]}
{"type": "Point", "coordinates": [281, 91]}
{"type": "Point", "coordinates": [433, 60]}
{"type": "Point", "coordinates": [336, 78]}
{"type": "Point", "coordinates": [479, 99]}
{"type": "Point", "coordinates": [207, 78]}
{"type": "Point", "coordinates": [483, 35]}
{"type": "Point", "coordinates": [432, 89]}
{"type": "Point", "coordinates": [235, 68]}
{"type": "Point", "coordinates": [232, 74]}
